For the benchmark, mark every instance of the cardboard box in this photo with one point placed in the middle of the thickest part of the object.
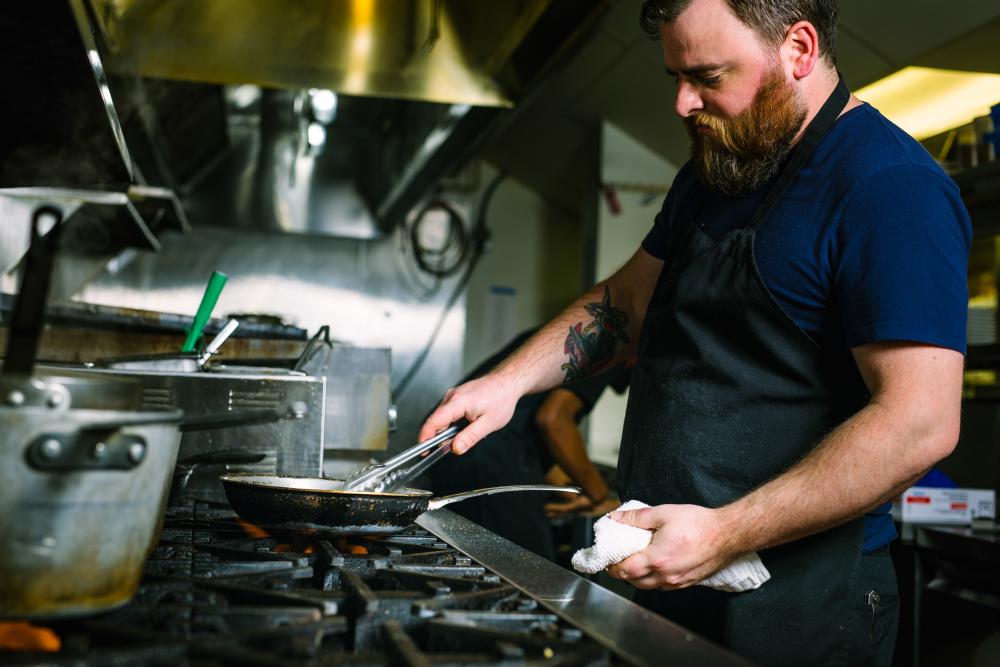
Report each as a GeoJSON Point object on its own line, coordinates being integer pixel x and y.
{"type": "Point", "coordinates": [921, 504]}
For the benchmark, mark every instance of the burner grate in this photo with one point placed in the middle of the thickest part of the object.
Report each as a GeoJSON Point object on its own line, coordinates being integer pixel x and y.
{"type": "Point", "coordinates": [218, 591]}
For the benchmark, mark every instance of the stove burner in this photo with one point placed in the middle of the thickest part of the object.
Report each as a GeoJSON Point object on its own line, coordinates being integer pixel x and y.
{"type": "Point", "coordinates": [219, 592]}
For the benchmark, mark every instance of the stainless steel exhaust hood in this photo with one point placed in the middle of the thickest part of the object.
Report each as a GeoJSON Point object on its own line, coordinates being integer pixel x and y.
{"type": "Point", "coordinates": [340, 116]}
{"type": "Point", "coordinates": [444, 51]}
{"type": "Point", "coordinates": [229, 102]}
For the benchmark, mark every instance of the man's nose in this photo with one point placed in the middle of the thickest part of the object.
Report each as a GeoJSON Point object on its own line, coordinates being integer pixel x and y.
{"type": "Point", "coordinates": [688, 100]}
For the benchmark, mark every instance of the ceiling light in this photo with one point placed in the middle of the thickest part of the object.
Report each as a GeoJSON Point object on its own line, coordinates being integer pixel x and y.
{"type": "Point", "coordinates": [925, 101]}
{"type": "Point", "coordinates": [244, 96]}
{"type": "Point", "coordinates": [316, 134]}
{"type": "Point", "coordinates": [324, 105]}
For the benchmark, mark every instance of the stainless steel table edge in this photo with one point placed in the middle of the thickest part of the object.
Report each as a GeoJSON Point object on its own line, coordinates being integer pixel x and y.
{"type": "Point", "coordinates": [638, 636]}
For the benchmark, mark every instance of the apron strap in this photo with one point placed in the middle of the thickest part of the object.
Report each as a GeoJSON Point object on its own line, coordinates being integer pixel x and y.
{"type": "Point", "coordinates": [811, 138]}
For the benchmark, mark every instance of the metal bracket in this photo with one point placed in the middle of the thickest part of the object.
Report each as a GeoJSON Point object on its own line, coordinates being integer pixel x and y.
{"type": "Point", "coordinates": [86, 450]}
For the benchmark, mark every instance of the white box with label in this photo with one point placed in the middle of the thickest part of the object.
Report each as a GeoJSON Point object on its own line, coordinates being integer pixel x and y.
{"type": "Point", "coordinates": [922, 504]}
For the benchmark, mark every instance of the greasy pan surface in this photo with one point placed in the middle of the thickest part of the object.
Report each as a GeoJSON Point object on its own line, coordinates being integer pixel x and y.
{"type": "Point", "coordinates": [318, 504]}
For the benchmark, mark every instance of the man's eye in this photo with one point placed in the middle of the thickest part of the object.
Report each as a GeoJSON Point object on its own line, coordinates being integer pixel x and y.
{"type": "Point", "coordinates": [711, 80]}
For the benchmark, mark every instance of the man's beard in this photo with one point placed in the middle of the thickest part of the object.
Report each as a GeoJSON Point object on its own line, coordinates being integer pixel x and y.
{"type": "Point", "coordinates": [742, 154]}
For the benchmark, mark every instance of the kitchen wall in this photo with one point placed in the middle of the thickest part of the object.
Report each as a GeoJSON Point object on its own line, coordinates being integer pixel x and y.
{"type": "Point", "coordinates": [637, 179]}
{"type": "Point", "coordinates": [533, 269]}
{"type": "Point", "coordinates": [370, 292]}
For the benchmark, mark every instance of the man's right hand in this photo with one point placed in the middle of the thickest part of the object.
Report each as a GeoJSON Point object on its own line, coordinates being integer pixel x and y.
{"type": "Point", "coordinates": [487, 403]}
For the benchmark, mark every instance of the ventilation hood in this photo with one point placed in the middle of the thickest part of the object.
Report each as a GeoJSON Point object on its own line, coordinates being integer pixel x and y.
{"type": "Point", "coordinates": [333, 117]}
{"type": "Point", "coordinates": [444, 51]}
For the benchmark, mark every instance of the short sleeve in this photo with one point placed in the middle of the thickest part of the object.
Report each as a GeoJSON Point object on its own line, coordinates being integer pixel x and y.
{"type": "Point", "coordinates": [900, 259]}
{"type": "Point", "coordinates": [655, 242]}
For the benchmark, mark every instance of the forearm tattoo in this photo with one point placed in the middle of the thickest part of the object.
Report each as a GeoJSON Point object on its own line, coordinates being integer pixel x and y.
{"type": "Point", "coordinates": [592, 347]}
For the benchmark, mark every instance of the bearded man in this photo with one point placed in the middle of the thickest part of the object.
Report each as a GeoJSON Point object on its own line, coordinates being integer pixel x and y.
{"type": "Point", "coordinates": [798, 310]}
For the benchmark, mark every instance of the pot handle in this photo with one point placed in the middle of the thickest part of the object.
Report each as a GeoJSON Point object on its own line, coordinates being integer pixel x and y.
{"type": "Point", "coordinates": [27, 322]}
{"type": "Point", "coordinates": [321, 337]}
{"type": "Point", "coordinates": [82, 450]}
{"type": "Point", "coordinates": [437, 503]}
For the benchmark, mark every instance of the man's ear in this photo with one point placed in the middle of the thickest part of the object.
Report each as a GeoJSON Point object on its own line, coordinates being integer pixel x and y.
{"type": "Point", "coordinates": [800, 50]}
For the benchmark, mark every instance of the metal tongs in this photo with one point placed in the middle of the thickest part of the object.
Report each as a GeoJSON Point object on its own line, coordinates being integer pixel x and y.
{"type": "Point", "coordinates": [392, 474]}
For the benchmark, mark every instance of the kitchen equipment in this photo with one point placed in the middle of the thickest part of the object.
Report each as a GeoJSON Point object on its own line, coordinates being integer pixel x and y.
{"type": "Point", "coordinates": [358, 397]}
{"type": "Point", "coordinates": [81, 507]}
{"type": "Point", "coordinates": [208, 300]}
{"type": "Point", "coordinates": [444, 592]}
{"type": "Point", "coordinates": [83, 497]}
{"type": "Point", "coordinates": [288, 446]}
{"type": "Point", "coordinates": [84, 492]}
{"type": "Point", "coordinates": [29, 311]}
{"type": "Point", "coordinates": [186, 467]}
{"type": "Point", "coordinates": [178, 362]}
{"type": "Point", "coordinates": [391, 474]}
{"type": "Point", "coordinates": [322, 505]}
{"type": "Point", "coordinates": [83, 474]}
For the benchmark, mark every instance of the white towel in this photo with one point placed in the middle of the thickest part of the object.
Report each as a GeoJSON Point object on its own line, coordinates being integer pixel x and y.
{"type": "Point", "coordinates": [614, 542]}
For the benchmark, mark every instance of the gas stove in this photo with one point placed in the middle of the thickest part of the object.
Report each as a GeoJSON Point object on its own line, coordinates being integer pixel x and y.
{"type": "Point", "coordinates": [219, 591]}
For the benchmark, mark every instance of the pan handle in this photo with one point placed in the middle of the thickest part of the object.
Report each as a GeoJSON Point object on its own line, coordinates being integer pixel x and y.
{"type": "Point", "coordinates": [437, 503]}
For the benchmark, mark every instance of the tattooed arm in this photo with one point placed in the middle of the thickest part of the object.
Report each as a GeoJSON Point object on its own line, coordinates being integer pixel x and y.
{"type": "Point", "coordinates": [598, 331]}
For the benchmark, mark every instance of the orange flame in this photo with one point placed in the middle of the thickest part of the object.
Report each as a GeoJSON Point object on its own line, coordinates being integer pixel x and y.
{"type": "Point", "coordinates": [252, 530]}
{"type": "Point", "coordinates": [343, 546]}
{"type": "Point", "coordinates": [23, 636]}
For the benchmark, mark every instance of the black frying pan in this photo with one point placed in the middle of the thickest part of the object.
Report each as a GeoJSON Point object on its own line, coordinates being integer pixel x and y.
{"type": "Point", "coordinates": [319, 504]}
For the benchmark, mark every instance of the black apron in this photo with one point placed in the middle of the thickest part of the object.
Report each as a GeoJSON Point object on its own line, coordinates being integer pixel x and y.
{"type": "Point", "coordinates": [728, 393]}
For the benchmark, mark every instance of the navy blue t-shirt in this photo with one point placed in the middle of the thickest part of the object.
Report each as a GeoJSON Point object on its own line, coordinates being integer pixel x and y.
{"type": "Point", "coordinates": [869, 243]}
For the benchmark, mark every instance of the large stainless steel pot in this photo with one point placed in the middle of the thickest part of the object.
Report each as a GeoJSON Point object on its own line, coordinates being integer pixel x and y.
{"type": "Point", "coordinates": [81, 508]}
{"type": "Point", "coordinates": [83, 475]}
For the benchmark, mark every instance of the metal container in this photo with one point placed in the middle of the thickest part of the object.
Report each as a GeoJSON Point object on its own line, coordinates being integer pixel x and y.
{"type": "Point", "coordinates": [84, 477]}
{"type": "Point", "coordinates": [358, 399]}
{"type": "Point", "coordinates": [82, 501]}
{"type": "Point", "coordinates": [292, 447]}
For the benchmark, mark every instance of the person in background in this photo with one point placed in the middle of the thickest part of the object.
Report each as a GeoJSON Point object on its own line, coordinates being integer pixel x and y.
{"type": "Point", "coordinates": [798, 309]}
{"type": "Point", "coordinates": [542, 443]}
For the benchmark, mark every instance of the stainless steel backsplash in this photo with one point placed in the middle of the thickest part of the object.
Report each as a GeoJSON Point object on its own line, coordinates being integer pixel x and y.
{"type": "Point", "coordinates": [365, 290]}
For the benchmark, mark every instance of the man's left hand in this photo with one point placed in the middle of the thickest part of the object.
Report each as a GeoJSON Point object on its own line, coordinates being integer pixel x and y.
{"type": "Point", "coordinates": [581, 505]}
{"type": "Point", "coordinates": [689, 544]}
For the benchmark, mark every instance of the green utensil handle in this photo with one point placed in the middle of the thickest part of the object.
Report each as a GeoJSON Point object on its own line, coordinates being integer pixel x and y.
{"type": "Point", "coordinates": [208, 301]}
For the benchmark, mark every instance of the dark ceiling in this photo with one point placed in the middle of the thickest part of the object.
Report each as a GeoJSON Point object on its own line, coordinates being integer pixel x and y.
{"type": "Point", "coordinates": [616, 75]}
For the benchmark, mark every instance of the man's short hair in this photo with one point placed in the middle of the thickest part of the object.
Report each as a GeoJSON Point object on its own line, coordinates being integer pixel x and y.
{"type": "Point", "coordinates": [768, 18]}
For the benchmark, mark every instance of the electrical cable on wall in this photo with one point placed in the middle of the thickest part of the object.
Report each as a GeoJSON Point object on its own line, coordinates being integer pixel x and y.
{"type": "Point", "coordinates": [447, 258]}
{"type": "Point", "coordinates": [409, 273]}
{"type": "Point", "coordinates": [480, 237]}
{"type": "Point", "coordinates": [438, 260]}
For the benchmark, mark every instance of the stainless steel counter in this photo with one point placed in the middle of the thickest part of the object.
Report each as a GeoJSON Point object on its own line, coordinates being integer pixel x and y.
{"type": "Point", "coordinates": [637, 636]}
